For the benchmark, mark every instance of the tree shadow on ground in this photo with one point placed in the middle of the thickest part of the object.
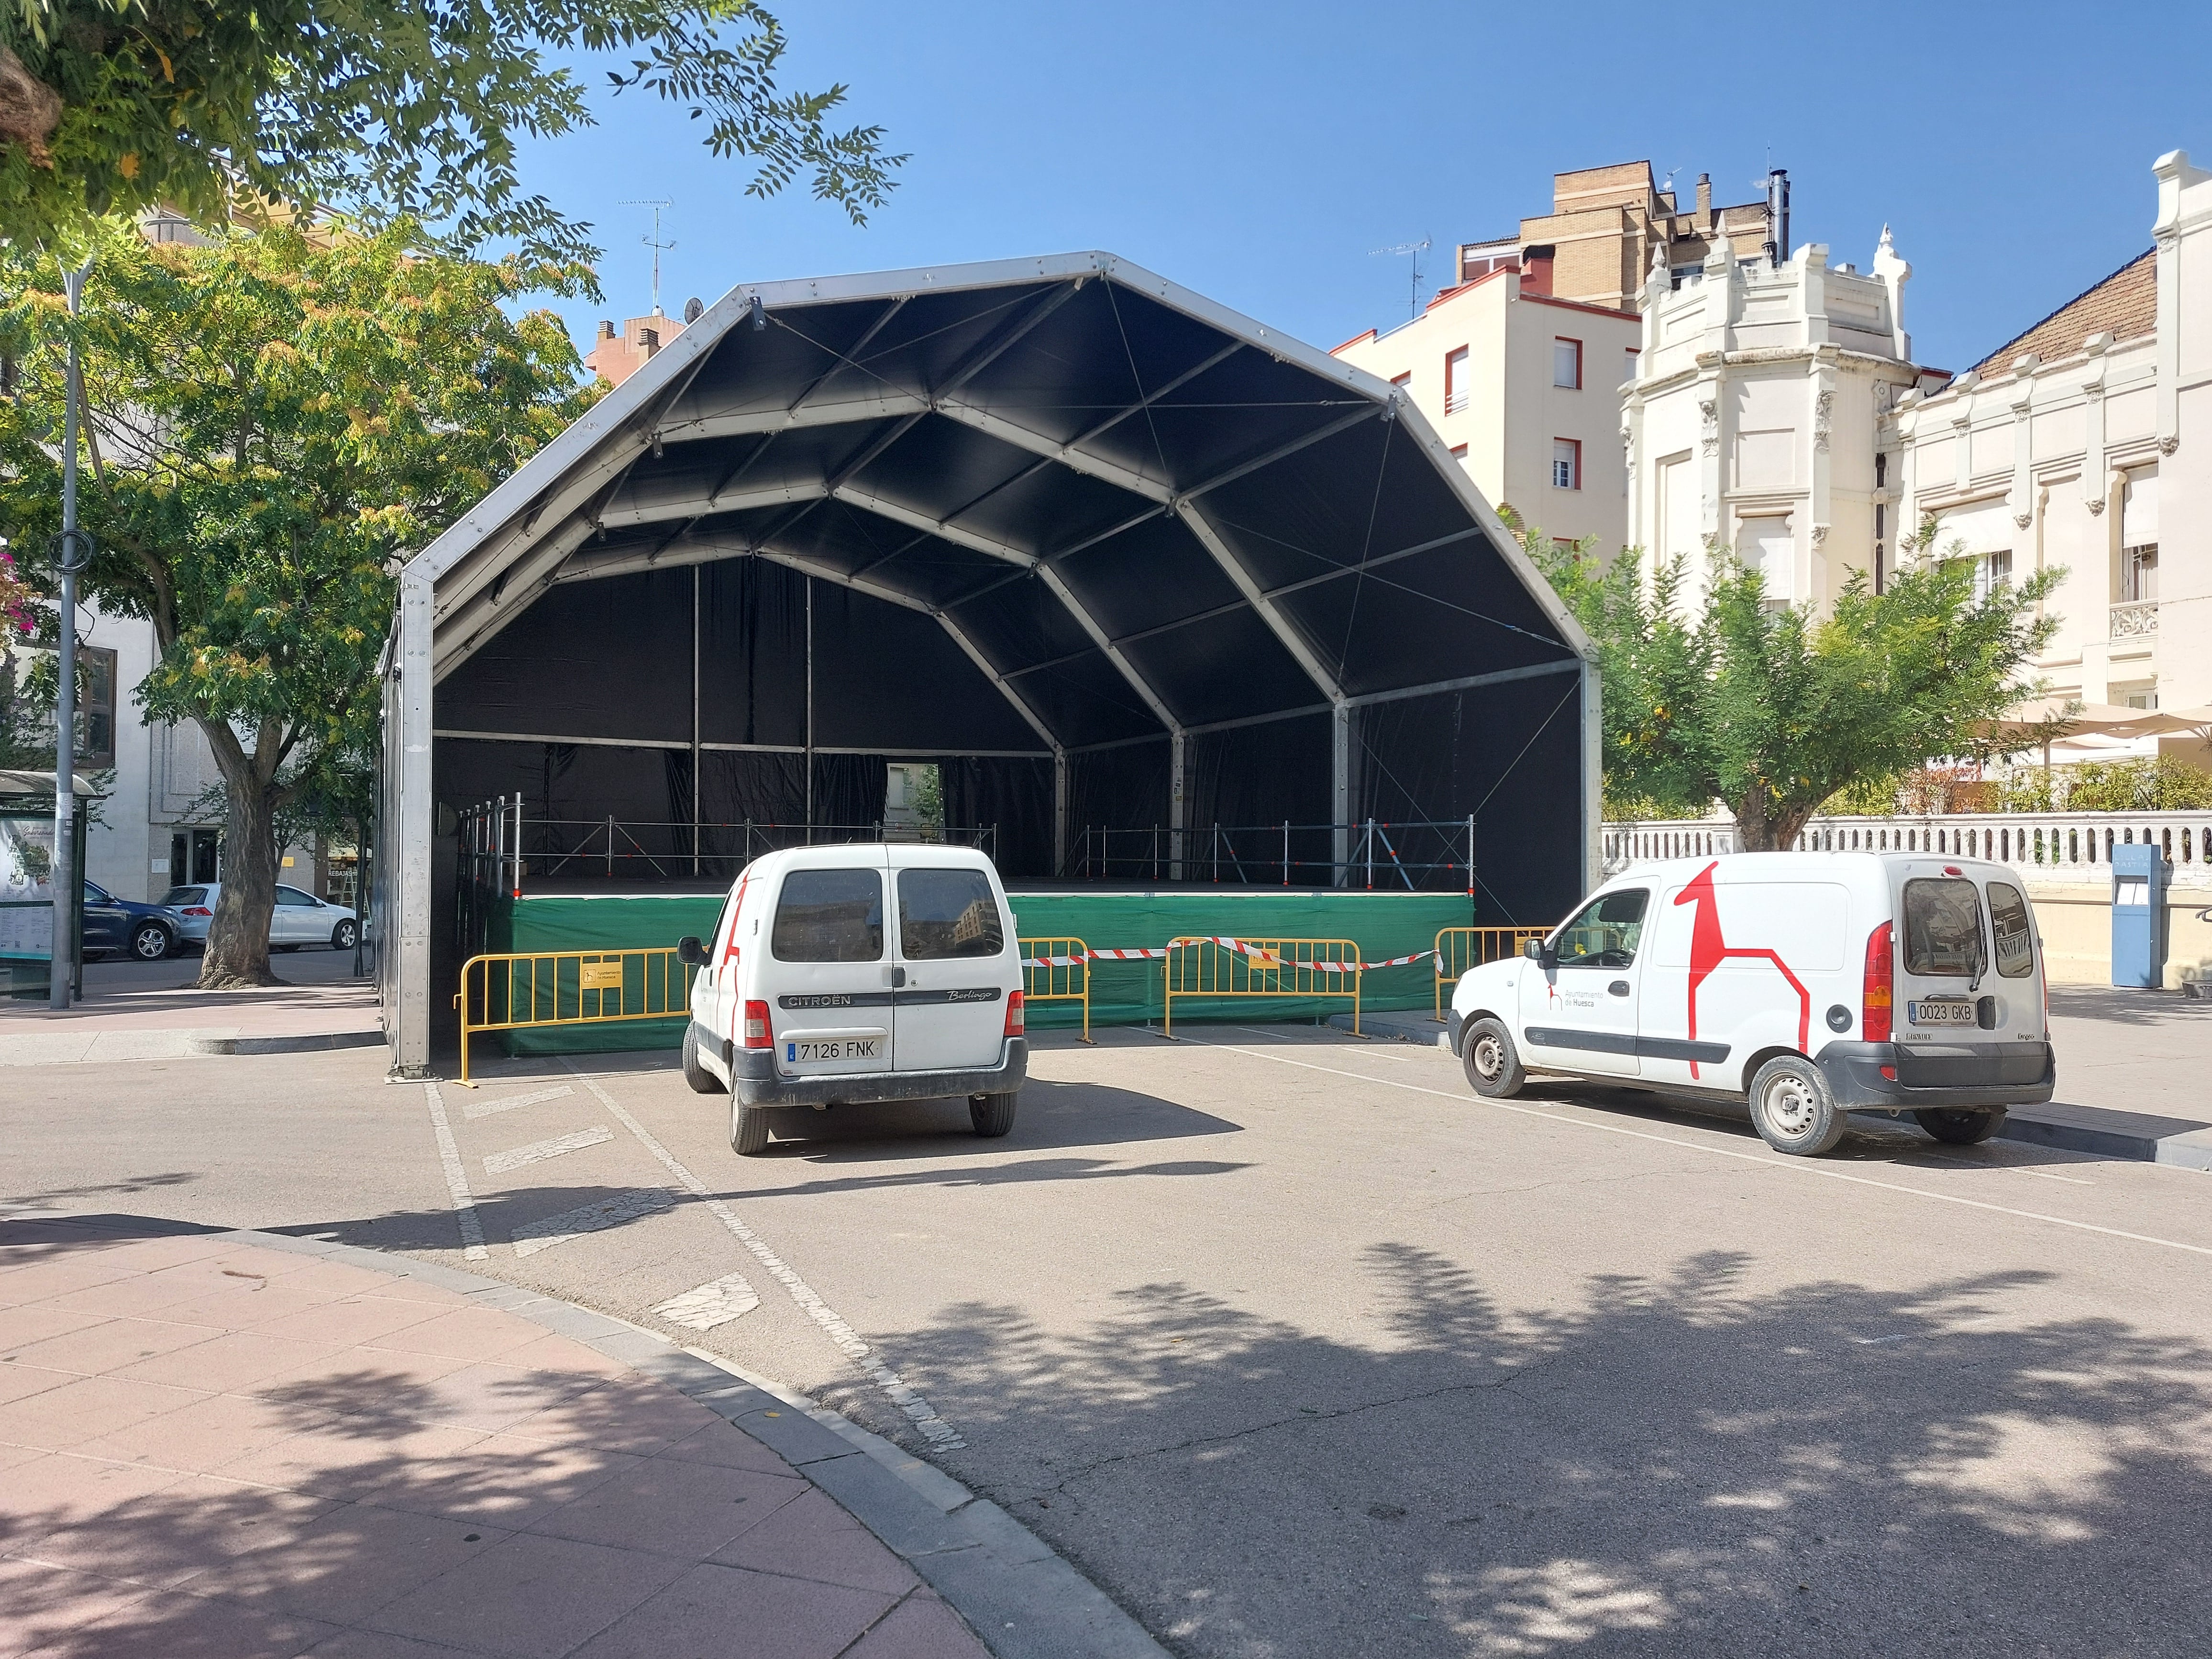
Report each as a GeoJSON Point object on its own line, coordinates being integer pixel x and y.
{"type": "Point", "coordinates": [1690, 1462]}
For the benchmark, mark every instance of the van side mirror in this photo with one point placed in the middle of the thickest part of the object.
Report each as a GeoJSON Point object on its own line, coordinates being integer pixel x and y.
{"type": "Point", "coordinates": [689, 950]}
{"type": "Point", "coordinates": [1543, 953]}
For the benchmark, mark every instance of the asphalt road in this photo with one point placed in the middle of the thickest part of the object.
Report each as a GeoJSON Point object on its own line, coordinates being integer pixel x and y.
{"type": "Point", "coordinates": [1298, 1349]}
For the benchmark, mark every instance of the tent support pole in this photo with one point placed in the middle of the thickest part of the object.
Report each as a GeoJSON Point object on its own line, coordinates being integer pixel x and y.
{"type": "Point", "coordinates": [1593, 777]}
{"type": "Point", "coordinates": [694, 718]}
{"type": "Point", "coordinates": [1059, 812]}
{"type": "Point", "coordinates": [810, 711]}
{"type": "Point", "coordinates": [1339, 768]}
{"type": "Point", "coordinates": [1176, 751]}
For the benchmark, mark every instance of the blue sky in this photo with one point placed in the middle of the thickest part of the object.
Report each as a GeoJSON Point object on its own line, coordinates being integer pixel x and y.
{"type": "Point", "coordinates": [1259, 152]}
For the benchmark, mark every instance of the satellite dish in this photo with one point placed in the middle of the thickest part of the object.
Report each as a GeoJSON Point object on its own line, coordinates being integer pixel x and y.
{"type": "Point", "coordinates": [693, 309]}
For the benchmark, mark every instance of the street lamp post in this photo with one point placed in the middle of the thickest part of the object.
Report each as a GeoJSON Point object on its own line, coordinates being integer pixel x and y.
{"type": "Point", "coordinates": [72, 553]}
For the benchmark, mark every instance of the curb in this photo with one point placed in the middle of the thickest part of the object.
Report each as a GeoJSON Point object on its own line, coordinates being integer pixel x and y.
{"type": "Point", "coordinates": [308, 1042]}
{"type": "Point", "coordinates": [2096, 1131]}
{"type": "Point", "coordinates": [1019, 1597]}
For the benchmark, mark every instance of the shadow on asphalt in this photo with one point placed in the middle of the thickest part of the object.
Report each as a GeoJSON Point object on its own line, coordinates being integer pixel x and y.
{"type": "Point", "coordinates": [1692, 1460]}
{"type": "Point", "coordinates": [2121, 1006]}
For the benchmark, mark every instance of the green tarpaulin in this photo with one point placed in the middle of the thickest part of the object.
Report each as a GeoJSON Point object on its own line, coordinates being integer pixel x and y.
{"type": "Point", "coordinates": [1382, 925]}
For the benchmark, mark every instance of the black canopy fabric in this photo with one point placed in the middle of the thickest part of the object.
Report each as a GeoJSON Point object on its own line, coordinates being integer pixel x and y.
{"type": "Point", "coordinates": [1126, 557]}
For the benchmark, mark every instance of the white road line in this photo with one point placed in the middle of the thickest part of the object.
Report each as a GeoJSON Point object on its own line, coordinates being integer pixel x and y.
{"type": "Point", "coordinates": [473, 1108]}
{"type": "Point", "coordinates": [717, 1302]}
{"type": "Point", "coordinates": [457, 1178]}
{"type": "Point", "coordinates": [538, 1151]}
{"type": "Point", "coordinates": [934, 1428]}
{"type": "Point", "coordinates": [1769, 1161]}
{"type": "Point", "coordinates": [543, 1235]}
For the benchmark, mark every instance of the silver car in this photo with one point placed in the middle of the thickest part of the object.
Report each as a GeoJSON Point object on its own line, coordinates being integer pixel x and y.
{"type": "Point", "coordinates": [298, 918]}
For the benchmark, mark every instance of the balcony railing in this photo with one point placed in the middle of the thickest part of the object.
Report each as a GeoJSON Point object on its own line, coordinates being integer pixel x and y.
{"type": "Point", "coordinates": [2133, 619]}
{"type": "Point", "coordinates": [2043, 847]}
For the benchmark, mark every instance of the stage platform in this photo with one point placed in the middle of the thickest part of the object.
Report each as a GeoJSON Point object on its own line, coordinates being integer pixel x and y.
{"type": "Point", "coordinates": [576, 915]}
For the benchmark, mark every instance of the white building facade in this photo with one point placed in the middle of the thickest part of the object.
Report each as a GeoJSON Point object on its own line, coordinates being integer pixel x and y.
{"type": "Point", "coordinates": [1525, 390]}
{"type": "Point", "coordinates": [2084, 443]}
{"type": "Point", "coordinates": [1753, 420]}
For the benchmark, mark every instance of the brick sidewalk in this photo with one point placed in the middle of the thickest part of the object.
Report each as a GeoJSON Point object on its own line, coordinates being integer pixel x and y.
{"type": "Point", "coordinates": [208, 1449]}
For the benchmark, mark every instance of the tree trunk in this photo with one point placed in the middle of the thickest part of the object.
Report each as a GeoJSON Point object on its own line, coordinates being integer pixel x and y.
{"type": "Point", "coordinates": [1757, 832]}
{"type": "Point", "coordinates": [30, 110]}
{"type": "Point", "coordinates": [237, 937]}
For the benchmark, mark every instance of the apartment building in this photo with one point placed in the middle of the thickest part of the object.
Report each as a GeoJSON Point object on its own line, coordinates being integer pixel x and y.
{"type": "Point", "coordinates": [1525, 388]}
{"type": "Point", "coordinates": [2084, 442]}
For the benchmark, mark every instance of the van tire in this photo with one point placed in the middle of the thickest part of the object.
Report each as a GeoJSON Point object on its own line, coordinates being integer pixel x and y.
{"type": "Point", "coordinates": [748, 1128]}
{"type": "Point", "coordinates": [992, 1114]}
{"type": "Point", "coordinates": [702, 1081]}
{"type": "Point", "coordinates": [1494, 1066]}
{"type": "Point", "coordinates": [1793, 1109]}
{"type": "Point", "coordinates": [1960, 1129]}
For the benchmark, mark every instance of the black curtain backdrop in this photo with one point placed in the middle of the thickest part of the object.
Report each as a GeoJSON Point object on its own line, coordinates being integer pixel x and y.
{"type": "Point", "coordinates": [850, 789]}
{"type": "Point", "coordinates": [1251, 779]}
{"type": "Point", "coordinates": [1015, 794]}
{"type": "Point", "coordinates": [1123, 788]}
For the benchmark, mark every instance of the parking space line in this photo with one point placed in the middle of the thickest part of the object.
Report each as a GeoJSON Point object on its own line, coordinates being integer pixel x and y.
{"type": "Point", "coordinates": [473, 1108]}
{"type": "Point", "coordinates": [457, 1178]}
{"type": "Point", "coordinates": [717, 1302]}
{"type": "Point", "coordinates": [538, 1151]}
{"type": "Point", "coordinates": [1769, 1161]}
{"type": "Point", "coordinates": [594, 1218]}
{"type": "Point", "coordinates": [894, 1387]}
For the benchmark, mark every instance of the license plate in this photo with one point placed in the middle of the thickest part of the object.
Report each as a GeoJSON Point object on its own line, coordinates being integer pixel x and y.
{"type": "Point", "coordinates": [831, 1051]}
{"type": "Point", "coordinates": [1941, 1011]}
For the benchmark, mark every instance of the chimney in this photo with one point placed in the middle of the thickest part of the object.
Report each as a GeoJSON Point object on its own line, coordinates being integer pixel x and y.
{"type": "Point", "coordinates": [1778, 217]}
{"type": "Point", "coordinates": [1705, 201]}
{"type": "Point", "coordinates": [1536, 269]}
{"type": "Point", "coordinates": [650, 340]}
{"type": "Point", "coordinates": [606, 329]}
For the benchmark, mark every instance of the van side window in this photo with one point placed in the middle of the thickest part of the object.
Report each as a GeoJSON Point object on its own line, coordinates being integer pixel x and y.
{"type": "Point", "coordinates": [1607, 932]}
{"type": "Point", "coordinates": [947, 913]}
{"type": "Point", "coordinates": [1944, 927]}
{"type": "Point", "coordinates": [829, 916]}
{"type": "Point", "coordinates": [2016, 930]}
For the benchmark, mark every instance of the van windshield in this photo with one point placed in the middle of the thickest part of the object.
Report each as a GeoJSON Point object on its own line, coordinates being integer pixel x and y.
{"type": "Point", "coordinates": [829, 916]}
{"type": "Point", "coordinates": [1943, 928]}
{"type": "Point", "coordinates": [2016, 930]}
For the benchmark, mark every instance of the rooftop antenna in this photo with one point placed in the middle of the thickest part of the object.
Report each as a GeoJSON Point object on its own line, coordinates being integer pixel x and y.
{"type": "Point", "coordinates": [1413, 300]}
{"type": "Point", "coordinates": [657, 204]}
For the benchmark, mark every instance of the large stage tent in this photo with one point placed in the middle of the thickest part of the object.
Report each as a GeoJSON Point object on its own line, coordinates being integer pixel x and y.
{"type": "Point", "coordinates": [1112, 555]}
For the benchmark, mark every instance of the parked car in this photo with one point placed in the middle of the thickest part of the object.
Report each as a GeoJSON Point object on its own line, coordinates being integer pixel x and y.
{"type": "Point", "coordinates": [298, 918]}
{"type": "Point", "coordinates": [1810, 984]}
{"type": "Point", "coordinates": [842, 974]}
{"type": "Point", "coordinates": [145, 932]}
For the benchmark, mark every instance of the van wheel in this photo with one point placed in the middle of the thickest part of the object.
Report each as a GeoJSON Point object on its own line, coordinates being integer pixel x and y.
{"type": "Point", "coordinates": [1493, 1066]}
{"type": "Point", "coordinates": [1793, 1110]}
{"type": "Point", "coordinates": [1960, 1129]}
{"type": "Point", "coordinates": [991, 1115]}
{"type": "Point", "coordinates": [748, 1128]}
{"type": "Point", "coordinates": [702, 1081]}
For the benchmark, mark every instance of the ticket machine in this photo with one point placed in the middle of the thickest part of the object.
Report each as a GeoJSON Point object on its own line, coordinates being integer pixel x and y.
{"type": "Point", "coordinates": [2140, 876]}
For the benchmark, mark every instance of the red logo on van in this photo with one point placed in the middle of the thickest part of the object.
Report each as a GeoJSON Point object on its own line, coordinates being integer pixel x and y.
{"type": "Point", "coordinates": [1709, 949]}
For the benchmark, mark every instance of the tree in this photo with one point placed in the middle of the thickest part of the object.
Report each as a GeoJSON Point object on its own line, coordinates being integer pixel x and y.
{"type": "Point", "coordinates": [275, 422]}
{"type": "Point", "coordinates": [1717, 692]}
{"type": "Point", "coordinates": [385, 109]}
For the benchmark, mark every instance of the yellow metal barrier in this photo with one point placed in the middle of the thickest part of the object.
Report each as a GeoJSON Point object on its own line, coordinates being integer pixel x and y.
{"type": "Point", "coordinates": [531, 990]}
{"type": "Point", "coordinates": [1208, 966]}
{"type": "Point", "coordinates": [1459, 949]}
{"type": "Point", "coordinates": [1057, 970]}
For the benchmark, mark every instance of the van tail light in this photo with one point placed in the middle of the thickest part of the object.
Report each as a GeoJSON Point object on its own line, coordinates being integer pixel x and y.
{"type": "Point", "coordinates": [1016, 1020]}
{"type": "Point", "coordinates": [1874, 997]}
{"type": "Point", "coordinates": [756, 1031]}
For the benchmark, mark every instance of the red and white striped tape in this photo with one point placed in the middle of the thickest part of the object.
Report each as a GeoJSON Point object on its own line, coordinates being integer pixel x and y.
{"type": "Point", "coordinates": [1242, 947]}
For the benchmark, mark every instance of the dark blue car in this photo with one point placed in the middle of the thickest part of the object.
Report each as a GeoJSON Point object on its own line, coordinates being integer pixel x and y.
{"type": "Point", "coordinates": [143, 932]}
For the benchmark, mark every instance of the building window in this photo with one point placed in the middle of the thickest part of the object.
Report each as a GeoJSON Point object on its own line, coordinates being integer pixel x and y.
{"type": "Point", "coordinates": [1628, 365]}
{"type": "Point", "coordinates": [1992, 571]}
{"type": "Point", "coordinates": [1456, 381]}
{"type": "Point", "coordinates": [1566, 464]}
{"type": "Point", "coordinates": [96, 708]}
{"type": "Point", "coordinates": [1404, 379]}
{"type": "Point", "coordinates": [1459, 451]}
{"type": "Point", "coordinates": [1567, 364]}
{"type": "Point", "coordinates": [2139, 572]}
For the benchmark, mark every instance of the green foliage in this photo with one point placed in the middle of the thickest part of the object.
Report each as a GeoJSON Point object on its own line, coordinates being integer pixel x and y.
{"type": "Point", "coordinates": [2161, 783]}
{"type": "Point", "coordinates": [276, 422]}
{"type": "Point", "coordinates": [391, 109]}
{"type": "Point", "coordinates": [1712, 691]}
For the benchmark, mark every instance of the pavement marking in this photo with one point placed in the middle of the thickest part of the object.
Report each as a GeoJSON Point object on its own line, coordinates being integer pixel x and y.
{"type": "Point", "coordinates": [1770, 1161]}
{"type": "Point", "coordinates": [535, 1236]}
{"type": "Point", "coordinates": [538, 1151]}
{"type": "Point", "coordinates": [457, 1178]}
{"type": "Point", "coordinates": [894, 1388]}
{"type": "Point", "coordinates": [473, 1108]}
{"type": "Point", "coordinates": [717, 1302]}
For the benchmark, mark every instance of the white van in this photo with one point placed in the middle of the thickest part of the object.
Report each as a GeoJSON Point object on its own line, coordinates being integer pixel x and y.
{"type": "Point", "coordinates": [839, 974]}
{"type": "Point", "coordinates": [1813, 984]}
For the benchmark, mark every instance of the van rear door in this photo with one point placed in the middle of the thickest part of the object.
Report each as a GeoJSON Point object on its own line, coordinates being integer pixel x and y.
{"type": "Point", "coordinates": [828, 973]}
{"type": "Point", "coordinates": [955, 943]}
{"type": "Point", "coordinates": [1969, 993]}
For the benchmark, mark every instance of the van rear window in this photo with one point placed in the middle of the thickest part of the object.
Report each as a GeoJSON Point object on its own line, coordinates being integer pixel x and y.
{"type": "Point", "coordinates": [2016, 930]}
{"type": "Point", "coordinates": [1943, 928]}
{"type": "Point", "coordinates": [947, 913]}
{"type": "Point", "coordinates": [829, 916]}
